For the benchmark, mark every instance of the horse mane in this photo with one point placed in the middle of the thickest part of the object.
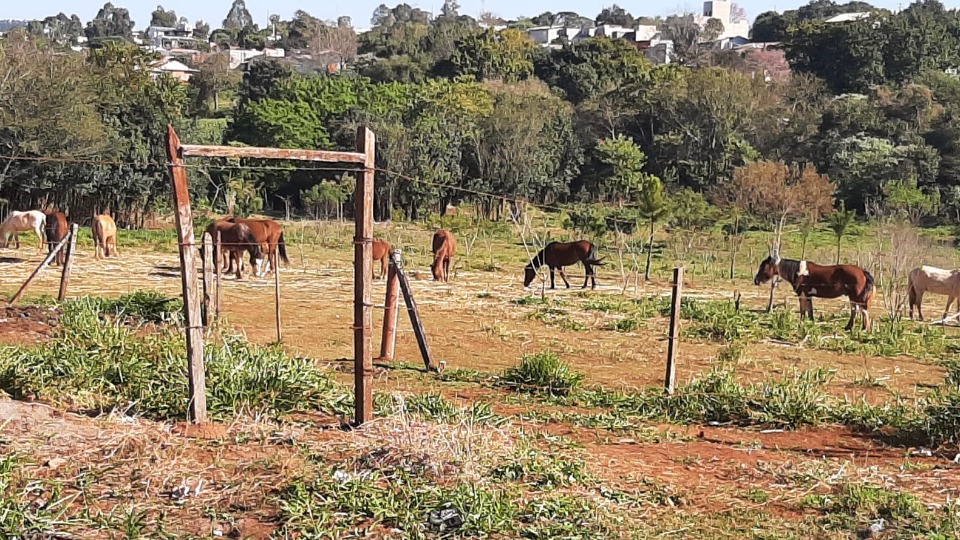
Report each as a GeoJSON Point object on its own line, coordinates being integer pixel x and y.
{"type": "Point", "coordinates": [787, 269]}
{"type": "Point", "coordinates": [537, 260]}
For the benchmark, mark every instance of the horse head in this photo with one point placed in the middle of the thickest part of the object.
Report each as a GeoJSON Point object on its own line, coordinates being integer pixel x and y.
{"type": "Point", "coordinates": [769, 267]}
{"type": "Point", "coordinates": [528, 275]}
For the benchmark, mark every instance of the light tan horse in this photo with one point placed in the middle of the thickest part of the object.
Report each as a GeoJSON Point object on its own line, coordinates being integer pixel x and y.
{"type": "Point", "coordinates": [381, 252]}
{"type": "Point", "coordinates": [104, 236]}
{"type": "Point", "coordinates": [444, 248]}
{"type": "Point", "coordinates": [924, 279]}
{"type": "Point", "coordinates": [17, 222]}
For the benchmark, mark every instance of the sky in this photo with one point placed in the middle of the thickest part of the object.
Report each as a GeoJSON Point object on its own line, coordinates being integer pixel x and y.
{"type": "Point", "coordinates": [214, 11]}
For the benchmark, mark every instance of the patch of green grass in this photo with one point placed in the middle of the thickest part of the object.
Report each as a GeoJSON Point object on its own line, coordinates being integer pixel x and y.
{"type": "Point", "coordinates": [543, 372]}
{"type": "Point", "coordinates": [855, 506]}
{"type": "Point", "coordinates": [97, 364]}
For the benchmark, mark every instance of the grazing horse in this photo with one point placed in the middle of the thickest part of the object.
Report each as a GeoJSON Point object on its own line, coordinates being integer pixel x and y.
{"type": "Point", "coordinates": [270, 235]}
{"type": "Point", "coordinates": [57, 228]}
{"type": "Point", "coordinates": [104, 236]}
{"type": "Point", "coordinates": [381, 252]}
{"type": "Point", "coordinates": [811, 280]}
{"type": "Point", "coordinates": [924, 279]}
{"type": "Point", "coordinates": [235, 238]}
{"type": "Point", "coordinates": [224, 257]}
{"type": "Point", "coordinates": [559, 254]}
{"type": "Point", "coordinates": [444, 248]}
{"type": "Point", "coordinates": [17, 222]}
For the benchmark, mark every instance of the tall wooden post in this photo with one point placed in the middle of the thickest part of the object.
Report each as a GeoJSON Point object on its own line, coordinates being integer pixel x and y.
{"type": "Point", "coordinates": [68, 263]}
{"type": "Point", "coordinates": [188, 279]}
{"type": "Point", "coordinates": [276, 297]}
{"type": "Point", "coordinates": [363, 268]}
{"type": "Point", "coordinates": [418, 331]}
{"type": "Point", "coordinates": [671, 377]}
{"type": "Point", "coordinates": [207, 279]}
{"type": "Point", "coordinates": [217, 270]}
{"type": "Point", "coordinates": [388, 341]}
{"type": "Point", "coordinates": [39, 270]}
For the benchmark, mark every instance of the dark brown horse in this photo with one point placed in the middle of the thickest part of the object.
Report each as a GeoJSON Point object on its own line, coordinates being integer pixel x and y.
{"type": "Point", "coordinates": [270, 235]}
{"type": "Point", "coordinates": [444, 248]}
{"type": "Point", "coordinates": [57, 228]}
{"type": "Point", "coordinates": [235, 238]}
{"type": "Point", "coordinates": [811, 280]}
{"type": "Point", "coordinates": [559, 254]}
{"type": "Point", "coordinates": [381, 252]}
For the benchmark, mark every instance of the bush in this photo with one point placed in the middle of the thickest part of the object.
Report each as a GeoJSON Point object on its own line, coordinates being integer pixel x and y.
{"type": "Point", "coordinates": [543, 372]}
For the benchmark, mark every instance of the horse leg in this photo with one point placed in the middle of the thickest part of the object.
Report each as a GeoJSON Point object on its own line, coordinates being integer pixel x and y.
{"type": "Point", "coordinates": [563, 276]}
{"type": "Point", "coordinates": [866, 317]}
{"type": "Point", "coordinates": [586, 275]}
{"type": "Point", "coordinates": [920, 306]}
{"type": "Point", "coordinates": [853, 314]}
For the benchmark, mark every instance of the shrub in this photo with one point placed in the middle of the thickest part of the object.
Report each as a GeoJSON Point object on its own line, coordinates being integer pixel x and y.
{"type": "Point", "coordinates": [543, 372]}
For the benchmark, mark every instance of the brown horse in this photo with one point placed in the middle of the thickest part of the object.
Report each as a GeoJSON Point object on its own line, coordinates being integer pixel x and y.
{"type": "Point", "coordinates": [811, 280]}
{"type": "Point", "coordinates": [444, 248]}
{"type": "Point", "coordinates": [270, 235]}
{"type": "Point", "coordinates": [235, 238]}
{"type": "Point", "coordinates": [559, 254]}
{"type": "Point", "coordinates": [381, 252]}
{"type": "Point", "coordinates": [104, 236]}
{"type": "Point", "coordinates": [57, 229]}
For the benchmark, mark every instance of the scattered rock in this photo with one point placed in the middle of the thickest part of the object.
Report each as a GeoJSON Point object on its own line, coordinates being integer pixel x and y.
{"type": "Point", "coordinates": [55, 463]}
{"type": "Point", "coordinates": [447, 519]}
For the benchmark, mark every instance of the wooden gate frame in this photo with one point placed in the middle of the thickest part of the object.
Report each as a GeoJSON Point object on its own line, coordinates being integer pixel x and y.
{"type": "Point", "coordinates": [363, 257]}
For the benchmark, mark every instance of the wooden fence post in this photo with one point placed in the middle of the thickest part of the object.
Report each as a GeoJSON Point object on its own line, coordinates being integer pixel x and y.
{"type": "Point", "coordinates": [38, 271]}
{"type": "Point", "coordinates": [276, 297]}
{"type": "Point", "coordinates": [415, 318]}
{"type": "Point", "coordinates": [388, 341]}
{"type": "Point", "coordinates": [207, 279]}
{"type": "Point", "coordinates": [188, 280]}
{"type": "Point", "coordinates": [217, 270]}
{"type": "Point", "coordinates": [362, 278]}
{"type": "Point", "coordinates": [671, 377]}
{"type": "Point", "coordinates": [68, 263]}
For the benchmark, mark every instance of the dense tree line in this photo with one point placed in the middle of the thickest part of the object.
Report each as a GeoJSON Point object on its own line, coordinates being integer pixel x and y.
{"type": "Point", "coordinates": [460, 108]}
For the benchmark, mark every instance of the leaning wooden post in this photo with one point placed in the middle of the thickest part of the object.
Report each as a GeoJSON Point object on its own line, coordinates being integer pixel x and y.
{"type": "Point", "coordinates": [38, 270]}
{"type": "Point", "coordinates": [188, 280]}
{"type": "Point", "coordinates": [415, 318]}
{"type": "Point", "coordinates": [388, 342]}
{"type": "Point", "coordinates": [68, 263]}
{"type": "Point", "coordinates": [362, 277]}
{"type": "Point", "coordinates": [276, 298]}
{"type": "Point", "coordinates": [218, 300]}
{"type": "Point", "coordinates": [670, 380]}
{"type": "Point", "coordinates": [207, 279]}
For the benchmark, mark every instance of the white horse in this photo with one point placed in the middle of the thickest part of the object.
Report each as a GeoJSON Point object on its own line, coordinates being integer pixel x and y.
{"type": "Point", "coordinates": [925, 279]}
{"type": "Point", "coordinates": [17, 222]}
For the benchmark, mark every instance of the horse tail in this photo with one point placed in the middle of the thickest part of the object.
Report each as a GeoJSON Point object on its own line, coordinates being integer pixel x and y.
{"type": "Point", "coordinates": [282, 247]}
{"type": "Point", "coordinates": [868, 289]}
{"type": "Point", "coordinates": [593, 257]}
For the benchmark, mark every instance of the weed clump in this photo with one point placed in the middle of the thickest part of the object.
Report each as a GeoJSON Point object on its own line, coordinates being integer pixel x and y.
{"type": "Point", "coordinates": [545, 373]}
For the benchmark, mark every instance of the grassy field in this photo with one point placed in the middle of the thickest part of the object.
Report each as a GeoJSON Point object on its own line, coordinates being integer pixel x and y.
{"type": "Point", "coordinates": [547, 422]}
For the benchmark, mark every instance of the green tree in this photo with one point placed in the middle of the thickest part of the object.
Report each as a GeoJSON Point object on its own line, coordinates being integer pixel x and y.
{"type": "Point", "coordinates": [622, 176]}
{"type": "Point", "coordinates": [848, 56]}
{"type": "Point", "coordinates": [110, 22]}
{"type": "Point", "coordinates": [615, 15]}
{"type": "Point", "coordinates": [839, 222]}
{"type": "Point", "coordinates": [162, 17]}
{"type": "Point", "coordinates": [769, 27]}
{"type": "Point", "coordinates": [505, 55]}
{"type": "Point", "coordinates": [653, 206]}
{"type": "Point", "coordinates": [238, 17]}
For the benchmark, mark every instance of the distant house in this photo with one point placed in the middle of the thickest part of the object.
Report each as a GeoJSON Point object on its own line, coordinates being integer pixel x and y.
{"type": "Point", "coordinates": [163, 37]}
{"type": "Point", "coordinates": [732, 42]}
{"type": "Point", "coordinates": [546, 35]}
{"type": "Point", "coordinates": [238, 57]}
{"type": "Point", "coordinates": [734, 20]}
{"type": "Point", "coordinates": [174, 68]}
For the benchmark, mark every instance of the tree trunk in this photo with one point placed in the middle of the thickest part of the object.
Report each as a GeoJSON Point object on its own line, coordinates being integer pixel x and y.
{"type": "Point", "coordinates": [839, 239]}
{"type": "Point", "coordinates": [803, 248]}
{"type": "Point", "coordinates": [733, 256]}
{"type": "Point", "coordinates": [646, 271]}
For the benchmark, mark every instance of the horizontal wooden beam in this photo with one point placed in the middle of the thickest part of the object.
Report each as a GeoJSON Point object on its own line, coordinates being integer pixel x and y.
{"type": "Point", "coordinates": [193, 150]}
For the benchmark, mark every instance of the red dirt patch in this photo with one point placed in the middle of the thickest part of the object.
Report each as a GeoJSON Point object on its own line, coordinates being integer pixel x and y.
{"type": "Point", "coordinates": [27, 325]}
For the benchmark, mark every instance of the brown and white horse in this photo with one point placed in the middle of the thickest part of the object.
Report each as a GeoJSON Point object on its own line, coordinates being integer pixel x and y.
{"type": "Point", "coordinates": [924, 279]}
{"type": "Point", "coordinates": [444, 248]}
{"type": "Point", "coordinates": [57, 228]}
{"type": "Point", "coordinates": [810, 280]}
{"type": "Point", "coordinates": [559, 254]}
{"type": "Point", "coordinates": [104, 236]}
{"type": "Point", "coordinates": [17, 222]}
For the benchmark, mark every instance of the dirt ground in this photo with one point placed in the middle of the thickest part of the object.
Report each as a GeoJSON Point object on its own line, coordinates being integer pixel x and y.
{"type": "Point", "coordinates": [472, 323]}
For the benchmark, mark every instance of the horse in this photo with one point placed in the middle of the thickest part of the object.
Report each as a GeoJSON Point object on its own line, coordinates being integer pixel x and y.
{"type": "Point", "coordinates": [559, 254]}
{"type": "Point", "coordinates": [57, 228]}
{"type": "Point", "coordinates": [924, 279]}
{"type": "Point", "coordinates": [381, 252]}
{"type": "Point", "coordinates": [104, 236]}
{"type": "Point", "coordinates": [17, 222]}
{"type": "Point", "coordinates": [811, 280]}
{"type": "Point", "coordinates": [270, 234]}
{"type": "Point", "coordinates": [223, 257]}
{"type": "Point", "coordinates": [235, 238]}
{"type": "Point", "coordinates": [444, 248]}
